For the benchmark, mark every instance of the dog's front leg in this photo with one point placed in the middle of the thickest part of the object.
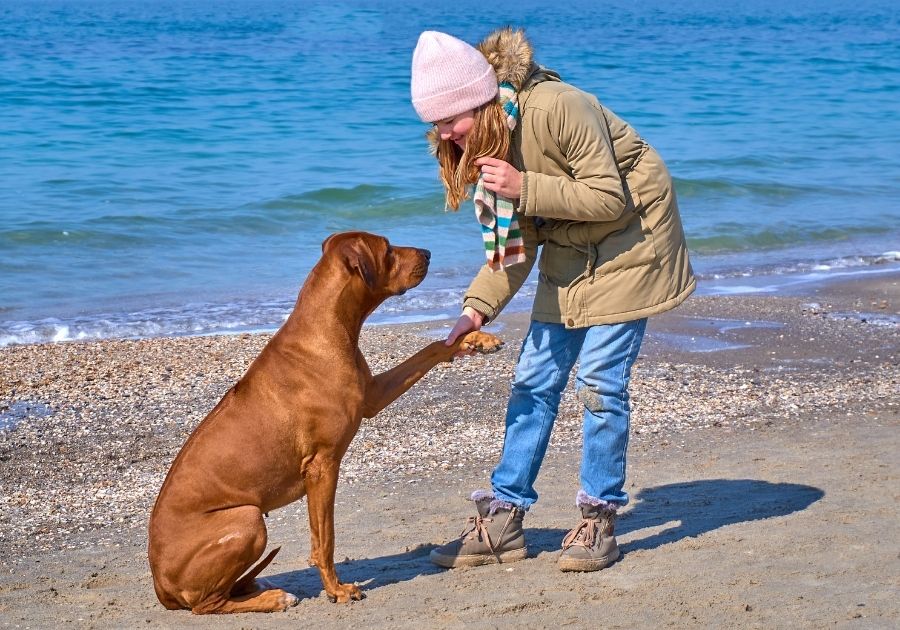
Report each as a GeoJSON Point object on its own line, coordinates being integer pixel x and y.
{"type": "Point", "coordinates": [321, 488]}
{"type": "Point", "coordinates": [385, 388]}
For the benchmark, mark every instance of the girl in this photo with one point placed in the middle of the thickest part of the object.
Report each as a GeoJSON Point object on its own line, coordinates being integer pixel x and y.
{"type": "Point", "coordinates": [553, 171]}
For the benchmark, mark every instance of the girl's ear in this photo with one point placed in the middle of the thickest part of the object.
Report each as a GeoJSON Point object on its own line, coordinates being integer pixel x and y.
{"type": "Point", "coordinates": [434, 139]}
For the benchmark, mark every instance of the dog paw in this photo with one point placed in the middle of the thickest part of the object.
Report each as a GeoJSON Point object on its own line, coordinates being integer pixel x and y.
{"type": "Point", "coordinates": [286, 600]}
{"type": "Point", "coordinates": [482, 342]}
{"type": "Point", "coordinates": [345, 592]}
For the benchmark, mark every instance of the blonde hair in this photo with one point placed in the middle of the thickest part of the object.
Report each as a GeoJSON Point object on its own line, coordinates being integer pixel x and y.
{"type": "Point", "coordinates": [489, 137]}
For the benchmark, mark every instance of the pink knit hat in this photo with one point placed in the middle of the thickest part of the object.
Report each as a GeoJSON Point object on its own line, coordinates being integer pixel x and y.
{"type": "Point", "coordinates": [449, 77]}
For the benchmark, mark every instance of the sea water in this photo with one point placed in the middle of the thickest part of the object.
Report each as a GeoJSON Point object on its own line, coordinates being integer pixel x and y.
{"type": "Point", "coordinates": [173, 167]}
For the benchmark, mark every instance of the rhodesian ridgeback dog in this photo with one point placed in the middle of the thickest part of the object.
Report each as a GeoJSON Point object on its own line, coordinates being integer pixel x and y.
{"type": "Point", "coordinates": [280, 433]}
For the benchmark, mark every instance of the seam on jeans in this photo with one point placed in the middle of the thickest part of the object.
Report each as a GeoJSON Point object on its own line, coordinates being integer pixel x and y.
{"type": "Point", "coordinates": [545, 398]}
{"type": "Point", "coordinates": [544, 417]}
{"type": "Point", "coordinates": [626, 368]}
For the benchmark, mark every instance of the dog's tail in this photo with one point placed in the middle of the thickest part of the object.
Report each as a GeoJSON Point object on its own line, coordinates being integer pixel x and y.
{"type": "Point", "coordinates": [245, 584]}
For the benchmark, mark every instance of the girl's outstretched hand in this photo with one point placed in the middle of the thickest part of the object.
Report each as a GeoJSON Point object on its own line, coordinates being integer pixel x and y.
{"type": "Point", "coordinates": [469, 320]}
{"type": "Point", "coordinates": [500, 177]}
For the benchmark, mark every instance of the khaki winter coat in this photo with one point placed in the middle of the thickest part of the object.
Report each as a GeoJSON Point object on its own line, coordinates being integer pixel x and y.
{"type": "Point", "coordinates": [596, 200]}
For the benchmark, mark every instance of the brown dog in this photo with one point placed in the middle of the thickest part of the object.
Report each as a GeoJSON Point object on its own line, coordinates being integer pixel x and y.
{"type": "Point", "coordinates": [281, 432]}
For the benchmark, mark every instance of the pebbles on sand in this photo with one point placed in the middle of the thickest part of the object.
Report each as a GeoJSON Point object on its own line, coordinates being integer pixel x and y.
{"type": "Point", "coordinates": [93, 427]}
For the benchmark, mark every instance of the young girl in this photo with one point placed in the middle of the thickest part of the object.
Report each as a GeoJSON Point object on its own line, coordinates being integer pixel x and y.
{"type": "Point", "coordinates": [553, 171]}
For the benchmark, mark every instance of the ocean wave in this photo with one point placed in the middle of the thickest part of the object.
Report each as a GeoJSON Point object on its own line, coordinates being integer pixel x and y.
{"type": "Point", "coordinates": [689, 188]}
{"type": "Point", "coordinates": [827, 267]}
{"type": "Point", "coordinates": [375, 202]}
{"type": "Point", "coordinates": [211, 318]}
{"type": "Point", "coordinates": [46, 234]}
{"type": "Point", "coordinates": [740, 237]}
{"type": "Point", "coordinates": [364, 207]}
{"type": "Point", "coordinates": [191, 319]}
{"type": "Point", "coordinates": [438, 298]}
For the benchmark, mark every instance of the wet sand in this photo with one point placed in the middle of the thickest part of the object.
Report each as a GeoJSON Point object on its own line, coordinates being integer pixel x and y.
{"type": "Point", "coordinates": [763, 471]}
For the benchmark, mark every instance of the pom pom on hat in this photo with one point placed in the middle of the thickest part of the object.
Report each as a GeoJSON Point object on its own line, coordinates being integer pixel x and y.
{"type": "Point", "coordinates": [449, 77]}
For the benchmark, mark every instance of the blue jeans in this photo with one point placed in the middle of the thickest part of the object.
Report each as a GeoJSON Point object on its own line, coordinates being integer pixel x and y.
{"type": "Point", "coordinates": [605, 354]}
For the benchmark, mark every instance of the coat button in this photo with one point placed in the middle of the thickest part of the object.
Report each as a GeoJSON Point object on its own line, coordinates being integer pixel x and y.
{"type": "Point", "coordinates": [570, 323]}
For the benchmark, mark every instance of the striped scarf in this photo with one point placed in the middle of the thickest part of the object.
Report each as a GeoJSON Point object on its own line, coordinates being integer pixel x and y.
{"type": "Point", "coordinates": [503, 244]}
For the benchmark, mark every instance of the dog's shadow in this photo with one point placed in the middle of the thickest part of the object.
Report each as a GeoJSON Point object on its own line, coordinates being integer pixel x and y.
{"type": "Point", "coordinates": [682, 510]}
{"type": "Point", "coordinates": [369, 573]}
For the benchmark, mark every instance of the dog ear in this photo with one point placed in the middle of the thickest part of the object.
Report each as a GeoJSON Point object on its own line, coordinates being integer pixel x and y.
{"type": "Point", "coordinates": [328, 240]}
{"type": "Point", "coordinates": [359, 259]}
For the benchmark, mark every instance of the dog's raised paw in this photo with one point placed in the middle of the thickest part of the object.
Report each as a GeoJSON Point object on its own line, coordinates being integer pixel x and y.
{"type": "Point", "coordinates": [482, 342]}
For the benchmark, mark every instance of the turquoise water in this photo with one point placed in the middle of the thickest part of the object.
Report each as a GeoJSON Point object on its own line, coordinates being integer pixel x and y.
{"type": "Point", "coordinates": [173, 167]}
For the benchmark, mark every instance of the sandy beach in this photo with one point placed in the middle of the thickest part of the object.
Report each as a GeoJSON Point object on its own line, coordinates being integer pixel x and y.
{"type": "Point", "coordinates": [763, 473]}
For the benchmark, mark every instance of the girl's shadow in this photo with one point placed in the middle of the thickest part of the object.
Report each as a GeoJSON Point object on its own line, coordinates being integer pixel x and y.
{"type": "Point", "coordinates": [693, 508]}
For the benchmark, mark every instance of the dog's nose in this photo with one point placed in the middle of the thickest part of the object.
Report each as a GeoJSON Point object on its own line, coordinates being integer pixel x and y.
{"type": "Point", "coordinates": [426, 253]}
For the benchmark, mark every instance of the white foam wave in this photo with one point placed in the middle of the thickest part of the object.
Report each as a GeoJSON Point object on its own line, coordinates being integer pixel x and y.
{"type": "Point", "coordinates": [420, 305]}
{"type": "Point", "coordinates": [211, 319]}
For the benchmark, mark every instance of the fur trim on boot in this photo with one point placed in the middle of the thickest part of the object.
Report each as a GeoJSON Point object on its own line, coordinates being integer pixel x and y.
{"type": "Point", "coordinates": [496, 504]}
{"type": "Point", "coordinates": [583, 499]}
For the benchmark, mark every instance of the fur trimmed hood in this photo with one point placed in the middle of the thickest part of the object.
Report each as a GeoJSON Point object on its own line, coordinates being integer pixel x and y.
{"type": "Point", "coordinates": [510, 53]}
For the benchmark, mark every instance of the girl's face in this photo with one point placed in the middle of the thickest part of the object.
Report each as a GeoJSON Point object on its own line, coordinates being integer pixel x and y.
{"type": "Point", "coordinates": [457, 127]}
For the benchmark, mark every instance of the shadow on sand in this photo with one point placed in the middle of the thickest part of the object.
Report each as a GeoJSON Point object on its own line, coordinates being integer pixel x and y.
{"type": "Point", "coordinates": [692, 508]}
{"type": "Point", "coordinates": [696, 507]}
{"type": "Point", "coordinates": [368, 573]}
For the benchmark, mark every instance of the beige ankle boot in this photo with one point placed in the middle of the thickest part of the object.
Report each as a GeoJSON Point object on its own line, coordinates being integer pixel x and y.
{"type": "Point", "coordinates": [495, 535]}
{"type": "Point", "coordinates": [591, 546]}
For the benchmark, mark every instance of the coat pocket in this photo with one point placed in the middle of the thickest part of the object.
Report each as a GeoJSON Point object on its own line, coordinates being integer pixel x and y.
{"type": "Point", "coordinates": [561, 265]}
{"type": "Point", "coordinates": [632, 246]}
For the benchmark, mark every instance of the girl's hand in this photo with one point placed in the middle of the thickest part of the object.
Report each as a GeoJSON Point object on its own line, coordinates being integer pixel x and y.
{"type": "Point", "coordinates": [501, 177]}
{"type": "Point", "coordinates": [469, 320]}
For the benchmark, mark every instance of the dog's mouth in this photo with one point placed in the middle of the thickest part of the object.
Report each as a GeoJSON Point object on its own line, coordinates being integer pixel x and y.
{"type": "Point", "coordinates": [415, 277]}
{"type": "Point", "coordinates": [420, 271]}
{"type": "Point", "coordinates": [412, 270]}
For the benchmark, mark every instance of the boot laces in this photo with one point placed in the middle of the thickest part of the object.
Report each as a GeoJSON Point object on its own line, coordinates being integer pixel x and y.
{"type": "Point", "coordinates": [476, 526]}
{"type": "Point", "coordinates": [583, 535]}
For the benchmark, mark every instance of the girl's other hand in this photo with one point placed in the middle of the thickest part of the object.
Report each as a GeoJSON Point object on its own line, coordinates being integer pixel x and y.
{"type": "Point", "coordinates": [500, 177]}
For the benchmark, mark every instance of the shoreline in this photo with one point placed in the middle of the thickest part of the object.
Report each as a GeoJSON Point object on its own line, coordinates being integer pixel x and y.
{"type": "Point", "coordinates": [80, 481]}
{"type": "Point", "coordinates": [430, 302]}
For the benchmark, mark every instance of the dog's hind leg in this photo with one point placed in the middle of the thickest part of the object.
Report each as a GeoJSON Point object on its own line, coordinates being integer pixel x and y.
{"type": "Point", "coordinates": [248, 584]}
{"type": "Point", "coordinates": [211, 580]}
{"type": "Point", "coordinates": [271, 600]}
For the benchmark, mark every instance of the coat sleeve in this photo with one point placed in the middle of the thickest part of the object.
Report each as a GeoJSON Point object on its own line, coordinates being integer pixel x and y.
{"type": "Point", "coordinates": [491, 291]}
{"type": "Point", "coordinates": [594, 191]}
